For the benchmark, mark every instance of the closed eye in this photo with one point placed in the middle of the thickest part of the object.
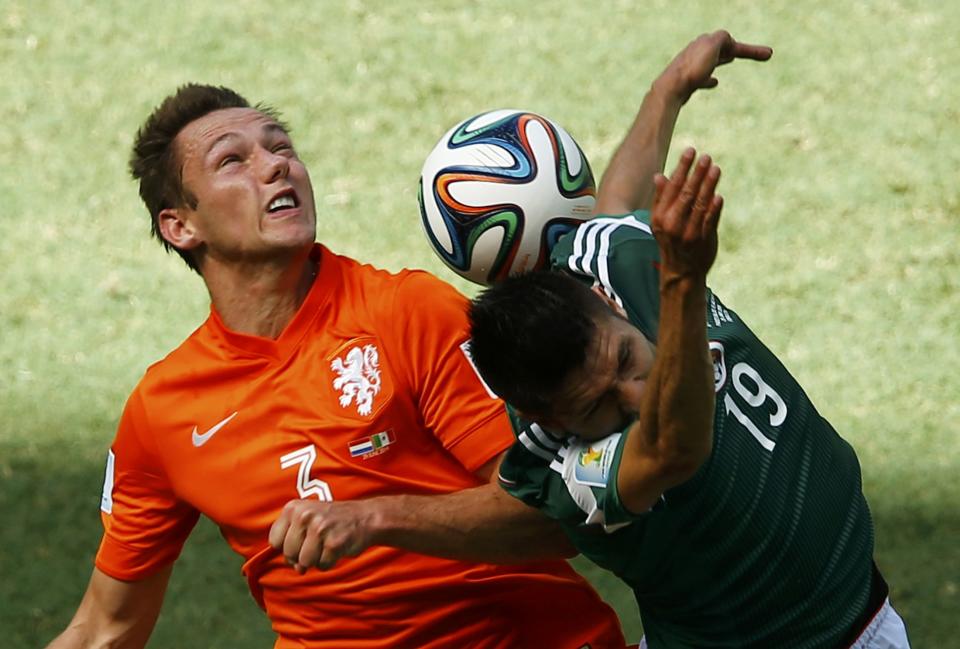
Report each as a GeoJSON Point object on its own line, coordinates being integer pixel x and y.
{"type": "Point", "coordinates": [228, 159]}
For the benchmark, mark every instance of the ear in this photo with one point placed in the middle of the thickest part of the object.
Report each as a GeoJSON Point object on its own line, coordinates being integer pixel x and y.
{"type": "Point", "coordinates": [178, 229]}
{"type": "Point", "coordinates": [609, 301]}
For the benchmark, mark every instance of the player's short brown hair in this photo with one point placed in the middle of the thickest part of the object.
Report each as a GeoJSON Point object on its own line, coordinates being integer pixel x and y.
{"type": "Point", "coordinates": [154, 161]}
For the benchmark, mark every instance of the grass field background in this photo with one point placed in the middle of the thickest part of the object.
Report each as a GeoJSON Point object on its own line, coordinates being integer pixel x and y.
{"type": "Point", "coordinates": [840, 243]}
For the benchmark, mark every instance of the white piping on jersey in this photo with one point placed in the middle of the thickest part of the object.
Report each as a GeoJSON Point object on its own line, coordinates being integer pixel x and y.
{"type": "Point", "coordinates": [559, 459]}
{"type": "Point", "coordinates": [545, 438]}
{"type": "Point", "coordinates": [603, 267]}
{"type": "Point", "coordinates": [535, 448]}
{"type": "Point", "coordinates": [714, 311]}
{"type": "Point", "coordinates": [599, 231]}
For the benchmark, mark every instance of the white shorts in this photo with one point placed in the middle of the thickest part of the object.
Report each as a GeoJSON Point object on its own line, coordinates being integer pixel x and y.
{"type": "Point", "coordinates": [885, 631]}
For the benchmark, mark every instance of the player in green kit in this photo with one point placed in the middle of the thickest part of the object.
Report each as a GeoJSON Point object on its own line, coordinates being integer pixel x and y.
{"type": "Point", "coordinates": [672, 445]}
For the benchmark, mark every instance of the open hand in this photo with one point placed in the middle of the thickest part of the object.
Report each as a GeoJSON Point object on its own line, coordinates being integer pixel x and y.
{"type": "Point", "coordinates": [686, 212]}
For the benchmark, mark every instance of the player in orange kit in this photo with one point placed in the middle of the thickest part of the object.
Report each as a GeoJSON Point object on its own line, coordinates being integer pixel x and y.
{"type": "Point", "coordinates": [317, 378]}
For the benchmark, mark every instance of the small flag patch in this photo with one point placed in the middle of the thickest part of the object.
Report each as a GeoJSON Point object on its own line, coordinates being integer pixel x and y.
{"type": "Point", "coordinates": [372, 446]}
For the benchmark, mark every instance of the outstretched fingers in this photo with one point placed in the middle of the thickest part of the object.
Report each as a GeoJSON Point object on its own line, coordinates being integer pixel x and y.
{"type": "Point", "coordinates": [675, 184]}
{"type": "Point", "coordinates": [690, 195]}
{"type": "Point", "coordinates": [753, 52]}
{"type": "Point", "coordinates": [731, 49]}
{"type": "Point", "coordinates": [712, 220]}
{"type": "Point", "coordinates": [704, 182]}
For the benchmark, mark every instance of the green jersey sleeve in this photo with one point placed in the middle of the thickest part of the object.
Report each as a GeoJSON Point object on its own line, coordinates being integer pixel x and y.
{"type": "Point", "coordinates": [570, 480]}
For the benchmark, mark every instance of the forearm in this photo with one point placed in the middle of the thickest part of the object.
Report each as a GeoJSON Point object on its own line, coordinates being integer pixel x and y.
{"type": "Point", "coordinates": [627, 184]}
{"type": "Point", "coordinates": [674, 433]}
{"type": "Point", "coordinates": [115, 613]}
{"type": "Point", "coordinates": [479, 524]}
{"type": "Point", "coordinates": [683, 373]}
{"type": "Point", "coordinates": [80, 635]}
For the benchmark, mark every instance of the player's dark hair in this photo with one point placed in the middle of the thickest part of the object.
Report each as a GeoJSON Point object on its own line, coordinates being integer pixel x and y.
{"type": "Point", "coordinates": [527, 333]}
{"type": "Point", "coordinates": [155, 162]}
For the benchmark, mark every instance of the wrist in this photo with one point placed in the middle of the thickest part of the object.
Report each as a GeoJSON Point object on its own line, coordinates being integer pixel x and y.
{"type": "Point", "coordinates": [687, 282]}
{"type": "Point", "coordinates": [384, 518]}
{"type": "Point", "coordinates": [670, 87]}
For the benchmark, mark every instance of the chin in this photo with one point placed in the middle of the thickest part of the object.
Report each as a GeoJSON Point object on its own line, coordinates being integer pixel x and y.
{"type": "Point", "coordinates": [294, 238]}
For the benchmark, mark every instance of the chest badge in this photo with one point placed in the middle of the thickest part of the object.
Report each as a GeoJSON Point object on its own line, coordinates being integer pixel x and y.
{"type": "Point", "coordinates": [358, 377]}
{"type": "Point", "coordinates": [719, 365]}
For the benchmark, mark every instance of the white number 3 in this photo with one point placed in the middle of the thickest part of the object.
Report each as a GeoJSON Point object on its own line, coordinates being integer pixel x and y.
{"type": "Point", "coordinates": [307, 486]}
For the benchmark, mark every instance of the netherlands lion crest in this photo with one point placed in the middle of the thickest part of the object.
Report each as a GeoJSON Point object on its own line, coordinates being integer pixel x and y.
{"type": "Point", "coordinates": [358, 377]}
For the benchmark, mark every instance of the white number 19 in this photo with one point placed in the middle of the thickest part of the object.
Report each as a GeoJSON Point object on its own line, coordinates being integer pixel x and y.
{"type": "Point", "coordinates": [755, 398]}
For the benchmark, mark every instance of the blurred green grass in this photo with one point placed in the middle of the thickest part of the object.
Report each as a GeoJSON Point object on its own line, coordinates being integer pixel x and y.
{"type": "Point", "coordinates": [840, 240]}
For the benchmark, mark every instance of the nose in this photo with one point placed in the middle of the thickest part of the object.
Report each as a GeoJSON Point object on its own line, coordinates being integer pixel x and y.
{"type": "Point", "coordinates": [275, 166]}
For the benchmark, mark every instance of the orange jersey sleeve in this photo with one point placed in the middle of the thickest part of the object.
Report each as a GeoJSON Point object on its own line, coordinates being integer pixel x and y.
{"type": "Point", "coordinates": [432, 331]}
{"type": "Point", "coordinates": [145, 525]}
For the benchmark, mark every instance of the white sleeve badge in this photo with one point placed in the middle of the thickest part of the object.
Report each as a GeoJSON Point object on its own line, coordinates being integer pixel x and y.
{"type": "Point", "coordinates": [584, 465]}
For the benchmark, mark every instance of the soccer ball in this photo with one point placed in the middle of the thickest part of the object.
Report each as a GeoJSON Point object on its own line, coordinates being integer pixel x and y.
{"type": "Point", "coordinates": [499, 189]}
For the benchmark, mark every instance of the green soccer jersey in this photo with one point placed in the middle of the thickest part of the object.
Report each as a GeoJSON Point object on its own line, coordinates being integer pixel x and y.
{"type": "Point", "coordinates": [770, 544]}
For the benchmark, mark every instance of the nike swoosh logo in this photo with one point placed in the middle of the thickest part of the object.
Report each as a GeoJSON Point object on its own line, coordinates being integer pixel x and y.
{"type": "Point", "coordinates": [200, 440]}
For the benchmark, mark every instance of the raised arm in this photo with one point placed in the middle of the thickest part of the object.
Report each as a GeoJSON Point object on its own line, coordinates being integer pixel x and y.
{"type": "Point", "coordinates": [674, 434]}
{"type": "Point", "coordinates": [627, 184]}
{"type": "Point", "coordinates": [480, 524]}
{"type": "Point", "coordinates": [115, 613]}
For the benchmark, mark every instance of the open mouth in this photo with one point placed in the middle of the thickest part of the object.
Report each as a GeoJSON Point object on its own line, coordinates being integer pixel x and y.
{"type": "Point", "coordinates": [285, 200]}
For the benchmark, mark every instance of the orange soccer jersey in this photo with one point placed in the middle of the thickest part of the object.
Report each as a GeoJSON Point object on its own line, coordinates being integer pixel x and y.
{"type": "Point", "coordinates": [368, 391]}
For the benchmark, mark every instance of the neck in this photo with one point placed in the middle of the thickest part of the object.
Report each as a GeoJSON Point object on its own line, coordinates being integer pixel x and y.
{"type": "Point", "coordinates": [259, 298]}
